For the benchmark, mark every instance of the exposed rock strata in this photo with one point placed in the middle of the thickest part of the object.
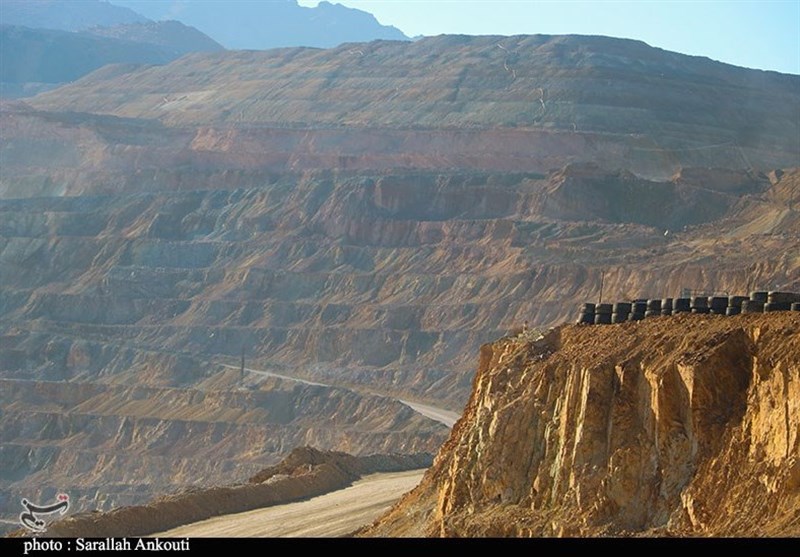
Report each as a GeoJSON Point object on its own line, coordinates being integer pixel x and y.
{"type": "Point", "coordinates": [684, 425]}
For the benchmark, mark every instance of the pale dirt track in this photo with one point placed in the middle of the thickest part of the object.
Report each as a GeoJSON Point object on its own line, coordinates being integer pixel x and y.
{"type": "Point", "coordinates": [446, 417]}
{"type": "Point", "coordinates": [330, 515]}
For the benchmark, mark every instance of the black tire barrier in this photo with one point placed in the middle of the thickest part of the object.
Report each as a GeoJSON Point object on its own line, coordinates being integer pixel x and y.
{"type": "Point", "coordinates": [620, 312]}
{"type": "Point", "coordinates": [718, 304]}
{"type": "Point", "coordinates": [783, 298]}
{"type": "Point", "coordinates": [602, 319]}
{"type": "Point", "coordinates": [586, 318]}
{"type": "Point", "coordinates": [619, 317]}
{"type": "Point", "coordinates": [752, 306]}
{"type": "Point", "coordinates": [777, 306]}
{"type": "Point", "coordinates": [759, 296]}
{"type": "Point", "coordinates": [681, 305]}
{"type": "Point", "coordinates": [622, 307]}
{"type": "Point", "coordinates": [736, 301]}
{"type": "Point", "coordinates": [604, 309]}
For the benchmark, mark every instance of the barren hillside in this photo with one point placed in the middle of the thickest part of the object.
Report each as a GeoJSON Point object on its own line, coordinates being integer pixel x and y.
{"type": "Point", "coordinates": [683, 425]}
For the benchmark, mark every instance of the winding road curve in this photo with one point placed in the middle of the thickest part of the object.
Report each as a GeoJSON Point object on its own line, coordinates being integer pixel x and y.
{"type": "Point", "coordinates": [331, 515]}
{"type": "Point", "coordinates": [442, 415]}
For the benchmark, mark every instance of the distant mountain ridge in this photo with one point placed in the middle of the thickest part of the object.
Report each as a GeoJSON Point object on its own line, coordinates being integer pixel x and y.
{"type": "Point", "coordinates": [39, 54]}
{"type": "Point", "coordinates": [66, 15]}
{"type": "Point", "coordinates": [35, 60]}
{"type": "Point", "coordinates": [173, 36]}
{"type": "Point", "coordinates": [242, 24]}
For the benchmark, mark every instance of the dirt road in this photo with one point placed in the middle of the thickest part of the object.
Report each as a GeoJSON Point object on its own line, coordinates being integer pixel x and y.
{"type": "Point", "coordinates": [441, 415]}
{"type": "Point", "coordinates": [447, 417]}
{"type": "Point", "coordinates": [330, 515]}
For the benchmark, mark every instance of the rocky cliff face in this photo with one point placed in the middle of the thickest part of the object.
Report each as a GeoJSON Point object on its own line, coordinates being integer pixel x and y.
{"type": "Point", "coordinates": [684, 425]}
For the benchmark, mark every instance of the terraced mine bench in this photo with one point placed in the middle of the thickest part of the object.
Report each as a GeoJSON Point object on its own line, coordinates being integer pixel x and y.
{"type": "Point", "coordinates": [636, 310]}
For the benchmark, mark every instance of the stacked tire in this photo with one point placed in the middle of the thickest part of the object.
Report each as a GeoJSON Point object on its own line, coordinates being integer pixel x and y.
{"type": "Point", "coordinates": [717, 305]}
{"type": "Point", "coordinates": [759, 296]}
{"type": "Point", "coordinates": [681, 305]}
{"type": "Point", "coordinates": [653, 308]}
{"type": "Point", "coordinates": [752, 306]}
{"type": "Point", "coordinates": [587, 314]}
{"type": "Point", "coordinates": [621, 312]}
{"type": "Point", "coordinates": [602, 314]}
{"type": "Point", "coordinates": [735, 304]}
{"type": "Point", "coordinates": [700, 304]}
{"type": "Point", "coordinates": [780, 301]}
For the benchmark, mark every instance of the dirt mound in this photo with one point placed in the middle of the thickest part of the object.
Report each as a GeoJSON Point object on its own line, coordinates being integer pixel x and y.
{"type": "Point", "coordinates": [303, 459]}
{"type": "Point", "coordinates": [306, 472]}
{"type": "Point", "coordinates": [686, 425]}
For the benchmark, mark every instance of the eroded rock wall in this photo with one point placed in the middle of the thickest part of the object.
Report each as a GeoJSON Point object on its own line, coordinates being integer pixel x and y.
{"type": "Point", "coordinates": [684, 425]}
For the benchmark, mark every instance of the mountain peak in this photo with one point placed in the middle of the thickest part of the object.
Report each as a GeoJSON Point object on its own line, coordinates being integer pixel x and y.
{"type": "Point", "coordinates": [240, 24]}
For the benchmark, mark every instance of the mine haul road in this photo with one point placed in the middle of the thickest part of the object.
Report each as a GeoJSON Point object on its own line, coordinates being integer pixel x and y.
{"type": "Point", "coordinates": [331, 515]}
{"type": "Point", "coordinates": [441, 415]}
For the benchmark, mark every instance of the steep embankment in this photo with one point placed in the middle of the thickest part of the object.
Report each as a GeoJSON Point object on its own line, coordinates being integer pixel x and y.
{"type": "Point", "coordinates": [304, 473]}
{"type": "Point", "coordinates": [684, 425]}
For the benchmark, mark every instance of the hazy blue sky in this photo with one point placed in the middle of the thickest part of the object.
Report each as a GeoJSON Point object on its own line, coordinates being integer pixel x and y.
{"type": "Point", "coordinates": [763, 34]}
